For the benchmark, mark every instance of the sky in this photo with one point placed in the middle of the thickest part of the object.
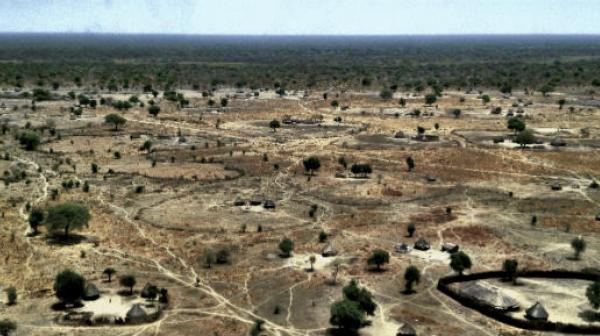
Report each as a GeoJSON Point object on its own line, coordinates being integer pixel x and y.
{"type": "Point", "coordinates": [303, 17]}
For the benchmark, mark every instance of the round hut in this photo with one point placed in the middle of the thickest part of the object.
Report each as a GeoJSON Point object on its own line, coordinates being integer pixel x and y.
{"type": "Point", "coordinates": [136, 314]}
{"type": "Point", "coordinates": [91, 292]}
{"type": "Point", "coordinates": [406, 330]}
{"type": "Point", "coordinates": [537, 312]}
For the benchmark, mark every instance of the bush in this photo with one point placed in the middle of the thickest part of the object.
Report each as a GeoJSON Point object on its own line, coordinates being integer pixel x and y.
{"type": "Point", "coordinates": [30, 140]}
{"type": "Point", "coordinates": [361, 169]}
{"type": "Point", "coordinates": [312, 164]}
{"type": "Point", "coordinates": [11, 296]}
{"type": "Point", "coordinates": [7, 326]}
{"type": "Point", "coordinates": [460, 262]}
{"type": "Point", "coordinates": [286, 246]}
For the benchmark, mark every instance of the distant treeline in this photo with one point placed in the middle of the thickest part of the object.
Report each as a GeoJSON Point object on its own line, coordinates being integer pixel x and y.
{"type": "Point", "coordinates": [414, 63]}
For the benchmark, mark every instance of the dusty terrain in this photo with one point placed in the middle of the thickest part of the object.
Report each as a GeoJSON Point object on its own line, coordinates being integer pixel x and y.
{"type": "Point", "coordinates": [160, 232]}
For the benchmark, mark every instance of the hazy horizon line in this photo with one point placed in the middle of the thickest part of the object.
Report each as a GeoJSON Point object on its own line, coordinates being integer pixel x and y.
{"type": "Point", "coordinates": [289, 35]}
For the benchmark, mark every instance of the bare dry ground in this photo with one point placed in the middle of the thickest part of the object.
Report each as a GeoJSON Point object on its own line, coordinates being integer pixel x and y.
{"type": "Point", "coordinates": [155, 212]}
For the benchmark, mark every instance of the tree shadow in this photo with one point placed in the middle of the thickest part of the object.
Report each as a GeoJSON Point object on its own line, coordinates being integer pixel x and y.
{"type": "Point", "coordinates": [341, 332]}
{"type": "Point", "coordinates": [61, 305]}
{"type": "Point", "coordinates": [60, 239]}
{"type": "Point", "coordinates": [126, 293]}
{"type": "Point", "coordinates": [408, 291]}
{"type": "Point", "coordinates": [590, 316]}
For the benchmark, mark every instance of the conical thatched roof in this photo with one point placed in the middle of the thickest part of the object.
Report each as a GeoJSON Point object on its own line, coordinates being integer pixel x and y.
{"type": "Point", "coordinates": [449, 247]}
{"type": "Point", "coordinates": [329, 251]}
{"type": "Point", "coordinates": [536, 312]}
{"type": "Point", "coordinates": [91, 292]}
{"type": "Point", "coordinates": [136, 314]}
{"type": "Point", "coordinates": [402, 248]}
{"type": "Point", "coordinates": [422, 244]}
{"type": "Point", "coordinates": [406, 330]}
{"type": "Point", "coordinates": [490, 296]}
{"type": "Point", "coordinates": [558, 142]}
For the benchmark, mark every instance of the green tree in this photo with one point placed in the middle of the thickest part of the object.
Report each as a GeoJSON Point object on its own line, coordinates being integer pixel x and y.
{"type": "Point", "coordinates": [154, 110]}
{"type": "Point", "coordinates": [456, 113]}
{"type": "Point", "coordinates": [347, 315]}
{"type": "Point", "coordinates": [386, 94]}
{"type": "Point", "coordinates": [412, 275]}
{"type": "Point", "coordinates": [257, 328]}
{"type": "Point", "coordinates": [545, 89]}
{"type": "Point", "coordinates": [115, 119]}
{"type": "Point", "coordinates": [109, 272]}
{"type": "Point", "coordinates": [312, 259]}
{"type": "Point", "coordinates": [362, 169]}
{"type": "Point", "coordinates": [525, 138]}
{"type": "Point", "coordinates": [6, 327]}
{"type": "Point", "coordinates": [128, 281]}
{"type": "Point", "coordinates": [274, 124]}
{"type": "Point", "coordinates": [510, 268]}
{"type": "Point", "coordinates": [362, 296]}
{"type": "Point", "coordinates": [223, 256]}
{"type": "Point", "coordinates": [67, 216]}
{"type": "Point", "coordinates": [430, 99]}
{"type": "Point", "coordinates": [411, 229]}
{"type": "Point", "coordinates": [30, 140]}
{"type": "Point", "coordinates": [312, 164]}
{"type": "Point", "coordinates": [561, 103]}
{"type": "Point", "coordinates": [11, 295]}
{"type": "Point", "coordinates": [323, 236]}
{"type": "Point", "coordinates": [69, 286]}
{"type": "Point", "coordinates": [460, 261]}
{"type": "Point", "coordinates": [593, 294]}
{"type": "Point", "coordinates": [36, 218]}
{"type": "Point", "coordinates": [146, 146]}
{"type": "Point", "coordinates": [402, 102]}
{"type": "Point", "coordinates": [578, 245]}
{"type": "Point", "coordinates": [209, 258]}
{"type": "Point", "coordinates": [378, 258]}
{"type": "Point", "coordinates": [342, 162]}
{"type": "Point", "coordinates": [486, 99]}
{"type": "Point", "coordinates": [286, 246]}
{"type": "Point", "coordinates": [515, 124]}
{"type": "Point", "coordinates": [410, 162]}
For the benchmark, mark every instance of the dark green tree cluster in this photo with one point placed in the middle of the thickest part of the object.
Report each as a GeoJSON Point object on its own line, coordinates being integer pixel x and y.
{"type": "Point", "coordinates": [350, 313]}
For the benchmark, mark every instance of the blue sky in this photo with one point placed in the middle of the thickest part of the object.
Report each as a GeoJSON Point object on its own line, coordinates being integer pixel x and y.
{"type": "Point", "coordinates": [328, 17]}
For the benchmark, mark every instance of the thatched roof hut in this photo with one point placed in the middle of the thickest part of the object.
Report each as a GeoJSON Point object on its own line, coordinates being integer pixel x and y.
{"type": "Point", "coordinates": [91, 292]}
{"type": "Point", "coordinates": [402, 248]}
{"type": "Point", "coordinates": [136, 314]}
{"type": "Point", "coordinates": [537, 312]}
{"type": "Point", "coordinates": [450, 247]}
{"type": "Point", "coordinates": [406, 330]}
{"type": "Point", "coordinates": [490, 296]}
{"type": "Point", "coordinates": [329, 251]}
{"type": "Point", "coordinates": [558, 142]}
{"type": "Point", "coordinates": [422, 244]}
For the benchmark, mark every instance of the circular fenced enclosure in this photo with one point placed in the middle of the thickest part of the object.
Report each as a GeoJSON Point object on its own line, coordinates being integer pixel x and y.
{"type": "Point", "coordinates": [444, 286]}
